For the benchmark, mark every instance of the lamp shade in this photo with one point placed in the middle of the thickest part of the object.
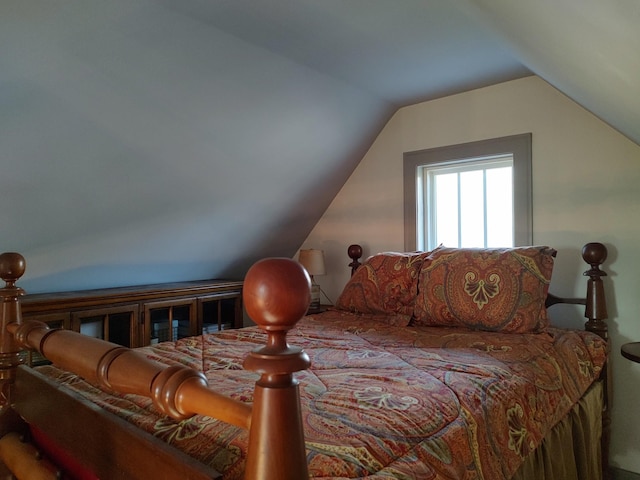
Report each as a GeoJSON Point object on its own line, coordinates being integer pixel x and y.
{"type": "Point", "coordinates": [313, 261]}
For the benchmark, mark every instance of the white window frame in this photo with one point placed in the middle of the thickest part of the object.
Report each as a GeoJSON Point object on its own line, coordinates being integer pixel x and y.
{"type": "Point", "coordinates": [519, 146]}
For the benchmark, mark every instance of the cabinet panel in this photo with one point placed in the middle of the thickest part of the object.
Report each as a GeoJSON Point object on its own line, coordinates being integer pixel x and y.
{"type": "Point", "coordinates": [169, 320]}
{"type": "Point", "coordinates": [117, 324]}
{"type": "Point", "coordinates": [219, 312]}
{"type": "Point", "coordinates": [54, 320]}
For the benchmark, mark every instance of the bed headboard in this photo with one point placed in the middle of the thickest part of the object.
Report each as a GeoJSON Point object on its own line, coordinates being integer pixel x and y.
{"type": "Point", "coordinates": [593, 253]}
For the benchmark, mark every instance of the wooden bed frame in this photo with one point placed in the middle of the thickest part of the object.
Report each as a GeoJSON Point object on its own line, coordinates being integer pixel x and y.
{"type": "Point", "coordinates": [276, 295]}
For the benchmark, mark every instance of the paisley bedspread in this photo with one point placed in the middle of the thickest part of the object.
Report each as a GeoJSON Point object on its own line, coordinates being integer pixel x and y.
{"type": "Point", "coordinates": [384, 401]}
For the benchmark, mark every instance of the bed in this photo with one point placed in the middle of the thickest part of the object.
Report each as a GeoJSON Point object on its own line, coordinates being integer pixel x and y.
{"type": "Point", "coordinates": [402, 379]}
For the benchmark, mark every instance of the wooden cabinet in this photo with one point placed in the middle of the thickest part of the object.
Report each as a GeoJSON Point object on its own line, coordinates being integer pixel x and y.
{"type": "Point", "coordinates": [141, 315]}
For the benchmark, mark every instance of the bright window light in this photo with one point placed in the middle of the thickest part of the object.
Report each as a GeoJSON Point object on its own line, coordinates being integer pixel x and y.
{"type": "Point", "coordinates": [468, 203]}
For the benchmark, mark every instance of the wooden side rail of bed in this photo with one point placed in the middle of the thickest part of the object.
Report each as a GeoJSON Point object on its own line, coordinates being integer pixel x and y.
{"type": "Point", "coordinates": [277, 295]}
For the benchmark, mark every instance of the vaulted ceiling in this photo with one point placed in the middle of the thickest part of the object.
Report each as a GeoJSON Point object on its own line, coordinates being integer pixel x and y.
{"type": "Point", "coordinates": [158, 140]}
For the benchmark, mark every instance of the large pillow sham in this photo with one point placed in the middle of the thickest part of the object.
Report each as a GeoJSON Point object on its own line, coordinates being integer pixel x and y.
{"type": "Point", "coordinates": [386, 283]}
{"type": "Point", "coordinates": [502, 290]}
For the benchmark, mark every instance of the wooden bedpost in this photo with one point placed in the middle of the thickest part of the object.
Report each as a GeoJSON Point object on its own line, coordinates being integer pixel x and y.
{"type": "Point", "coordinates": [596, 310]}
{"type": "Point", "coordinates": [12, 266]}
{"type": "Point", "coordinates": [596, 313]}
{"type": "Point", "coordinates": [277, 293]}
{"type": "Point", "coordinates": [355, 252]}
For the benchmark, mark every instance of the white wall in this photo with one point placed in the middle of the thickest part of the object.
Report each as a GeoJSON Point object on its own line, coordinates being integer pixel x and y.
{"type": "Point", "coordinates": [585, 188]}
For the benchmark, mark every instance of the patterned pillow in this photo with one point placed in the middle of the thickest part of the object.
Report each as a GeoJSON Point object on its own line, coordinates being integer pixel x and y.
{"type": "Point", "coordinates": [386, 283]}
{"type": "Point", "coordinates": [501, 290]}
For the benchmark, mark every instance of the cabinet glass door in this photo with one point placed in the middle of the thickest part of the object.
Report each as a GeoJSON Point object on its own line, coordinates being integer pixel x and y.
{"type": "Point", "coordinates": [169, 320]}
{"type": "Point", "coordinates": [220, 312]}
{"type": "Point", "coordinates": [113, 324]}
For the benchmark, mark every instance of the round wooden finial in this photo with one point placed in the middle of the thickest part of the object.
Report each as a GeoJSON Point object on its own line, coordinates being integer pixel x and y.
{"type": "Point", "coordinates": [354, 252]}
{"type": "Point", "coordinates": [277, 293]}
{"type": "Point", "coordinates": [12, 267]}
{"type": "Point", "coordinates": [594, 253]}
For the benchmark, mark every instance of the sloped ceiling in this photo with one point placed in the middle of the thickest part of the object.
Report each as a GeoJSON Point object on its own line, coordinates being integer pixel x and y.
{"type": "Point", "coordinates": [590, 50]}
{"type": "Point", "coordinates": [160, 140]}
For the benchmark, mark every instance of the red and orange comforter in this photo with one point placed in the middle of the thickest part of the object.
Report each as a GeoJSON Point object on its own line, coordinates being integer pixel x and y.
{"type": "Point", "coordinates": [387, 401]}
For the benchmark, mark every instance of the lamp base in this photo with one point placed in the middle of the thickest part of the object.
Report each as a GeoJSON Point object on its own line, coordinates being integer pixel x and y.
{"type": "Point", "coordinates": [314, 306]}
{"type": "Point", "coordinates": [320, 309]}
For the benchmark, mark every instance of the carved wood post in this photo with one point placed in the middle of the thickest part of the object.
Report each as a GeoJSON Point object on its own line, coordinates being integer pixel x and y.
{"type": "Point", "coordinates": [596, 310]}
{"type": "Point", "coordinates": [277, 292]}
{"type": "Point", "coordinates": [596, 313]}
{"type": "Point", "coordinates": [354, 252]}
{"type": "Point", "coordinates": [12, 266]}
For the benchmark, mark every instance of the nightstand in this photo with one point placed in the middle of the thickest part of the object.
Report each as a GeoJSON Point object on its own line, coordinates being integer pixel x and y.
{"type": "Point", "coordinates": [631, 351]}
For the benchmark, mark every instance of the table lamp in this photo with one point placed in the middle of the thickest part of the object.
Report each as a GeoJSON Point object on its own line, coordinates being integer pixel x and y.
{"type": "Point", "coordinates": [313, 262]}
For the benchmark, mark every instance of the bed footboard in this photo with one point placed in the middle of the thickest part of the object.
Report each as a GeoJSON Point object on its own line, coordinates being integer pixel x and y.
{"type": "Point", "coordinates": [277, 295]}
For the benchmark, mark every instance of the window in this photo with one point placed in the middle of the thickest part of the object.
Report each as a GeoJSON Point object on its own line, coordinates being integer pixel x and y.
{"type": "Point", "coordinates": [467, 204]}
{"type": "Point", "coordinates": [471, 195]}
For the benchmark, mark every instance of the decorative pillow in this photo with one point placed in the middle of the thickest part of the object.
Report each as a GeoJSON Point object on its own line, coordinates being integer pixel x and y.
{"type": "Point", "coordinates": [386, 283]}
{"type": "Point", "coordinates": [500, 290]}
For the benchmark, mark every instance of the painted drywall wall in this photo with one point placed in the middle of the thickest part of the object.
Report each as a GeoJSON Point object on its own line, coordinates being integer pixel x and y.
{"type": "Point", "coordinates": [585, 188]}
{"type": "Point", "coordinates": [140, 145]}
